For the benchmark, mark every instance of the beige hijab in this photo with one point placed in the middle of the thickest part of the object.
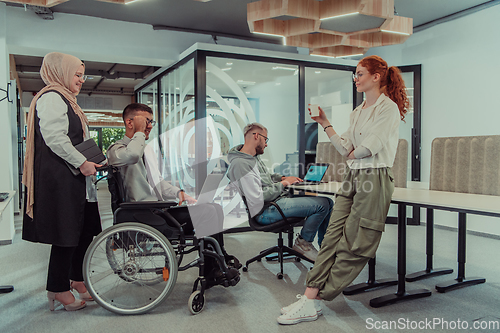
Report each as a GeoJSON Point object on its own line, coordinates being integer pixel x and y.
{"type": "Point", "coordinates": [57, 71]}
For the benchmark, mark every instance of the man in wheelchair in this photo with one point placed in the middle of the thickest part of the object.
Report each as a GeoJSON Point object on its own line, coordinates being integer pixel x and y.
{"type": "Point", "coordinates": [142, 182]}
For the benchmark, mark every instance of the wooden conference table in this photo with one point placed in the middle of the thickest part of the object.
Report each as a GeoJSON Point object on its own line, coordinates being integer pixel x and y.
{"type": "Point", "coordinates": [462, 203]}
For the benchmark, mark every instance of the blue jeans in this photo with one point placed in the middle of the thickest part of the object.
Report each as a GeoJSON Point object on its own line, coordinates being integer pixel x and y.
{"type": "Point", "coordinates": [316, 209]}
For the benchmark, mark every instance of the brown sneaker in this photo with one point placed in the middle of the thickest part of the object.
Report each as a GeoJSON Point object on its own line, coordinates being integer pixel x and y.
{"type": "Point", "coordinates": [305, 248]}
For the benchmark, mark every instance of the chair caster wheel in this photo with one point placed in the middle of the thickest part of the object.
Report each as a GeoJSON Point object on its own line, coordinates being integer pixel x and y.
{"type": "Point", "coordinates": [196, 302]}
{"type": "Point", "coordinates": [297, 259]}
{"type": "Point", "coordinates": [245, 269]}
{"type": "Point", "coordinates": [279, 276]}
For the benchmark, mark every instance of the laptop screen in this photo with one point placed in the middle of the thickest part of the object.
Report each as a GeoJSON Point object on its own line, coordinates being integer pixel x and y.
{"type": "Point", "coordinates": [316, 172]}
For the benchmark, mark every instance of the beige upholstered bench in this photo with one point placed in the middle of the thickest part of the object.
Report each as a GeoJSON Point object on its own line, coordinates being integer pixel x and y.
{"type": "Point", "coordinates": [466, 164]}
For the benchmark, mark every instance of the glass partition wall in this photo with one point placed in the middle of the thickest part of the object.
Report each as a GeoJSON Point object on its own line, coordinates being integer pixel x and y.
{"type": "Point", "coordinates": [176, 126]}
{"type": "Point", "coordinates": [203, 102]}
{"type": "Point", "coordinates": [240, 92]}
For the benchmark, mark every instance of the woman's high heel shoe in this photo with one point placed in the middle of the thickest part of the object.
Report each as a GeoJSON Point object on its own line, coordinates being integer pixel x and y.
{"type": "Point", "coordinates": [83, 296]}
{"type": "Point", "coordinates": [76, 305]}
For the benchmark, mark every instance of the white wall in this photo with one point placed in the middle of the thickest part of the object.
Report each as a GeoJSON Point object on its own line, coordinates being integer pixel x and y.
{"type": "Point", "coordinates": [460, 69]}
{"type": "Point", "coordinates": [6, 162]}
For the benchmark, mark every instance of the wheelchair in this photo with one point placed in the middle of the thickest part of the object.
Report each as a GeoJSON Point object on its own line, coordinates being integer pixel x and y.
{"type": "Point", "coordinates": [132, 267]}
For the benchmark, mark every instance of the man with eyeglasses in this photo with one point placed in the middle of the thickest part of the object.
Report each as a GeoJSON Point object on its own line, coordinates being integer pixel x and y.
{"type": "Point", "coordinates": [129, 155]}
{"type": "Point", "coordinates": [143, 182]}
{"type": "Point", "coordinates": [258, 185]}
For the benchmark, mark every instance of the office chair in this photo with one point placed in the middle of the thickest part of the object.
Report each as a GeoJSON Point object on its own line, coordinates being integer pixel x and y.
{"type": "Point", "coordinates": [284, 225]}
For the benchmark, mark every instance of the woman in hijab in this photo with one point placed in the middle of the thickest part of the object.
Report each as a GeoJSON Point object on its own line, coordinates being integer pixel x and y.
{"type": "Point", "coordinates": [60, 207]}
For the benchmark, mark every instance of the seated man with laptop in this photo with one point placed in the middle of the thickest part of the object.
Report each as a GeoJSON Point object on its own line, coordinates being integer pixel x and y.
{"type": "Point", "coordinates": [142, 182]}
{"type": "Point", "coordinates": [251, 176]}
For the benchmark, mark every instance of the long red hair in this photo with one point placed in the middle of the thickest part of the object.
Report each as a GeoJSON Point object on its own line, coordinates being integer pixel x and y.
{"type": "Point", "coordinates": [391, 81]}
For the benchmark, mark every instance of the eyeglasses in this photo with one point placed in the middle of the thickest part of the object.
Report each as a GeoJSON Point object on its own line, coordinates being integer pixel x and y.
{"type": "Point", "coordinates": [265, 137]}
{"type": "Point", "coordinates": [148, 121]}
{"type": "Point", "coordinates": [357, 76]}
{"type": "Point", "coordinates": [81, 76]}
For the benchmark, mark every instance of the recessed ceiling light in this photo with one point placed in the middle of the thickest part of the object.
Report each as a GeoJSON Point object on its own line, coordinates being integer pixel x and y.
{"type": "Point", "coordinates": [285, 68]}
{"type": "Point", "coordinates": [337, 16]}
{"type": "Point", "coordinates": [350, 55]}
{"type": "Point", "coordinates": [321, 55]}
{"type": "Point", "coordinates": [250, 83]}
{"type": "Point", "coordinates": [396, 32]}
{"type": "Point", "coordinates": [317, 72]}
{"type": "Point", "coordinates": [267, 34]}
{"type": "Point", "coordinates": [226, 69]}
{"type": "Point", "coordinates": [229, 63]}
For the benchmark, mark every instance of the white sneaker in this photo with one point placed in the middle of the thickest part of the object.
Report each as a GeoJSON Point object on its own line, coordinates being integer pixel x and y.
{"type": "Point", "coordinates": [317, 306]}
{"type": "Point", "coordinates": [305, 248]}
{"type": "Point", "coordinates": [303, 310]}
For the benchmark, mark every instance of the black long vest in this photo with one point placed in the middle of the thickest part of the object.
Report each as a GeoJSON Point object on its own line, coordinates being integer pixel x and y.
{"type": "Point", "coordinates": [60, 196]}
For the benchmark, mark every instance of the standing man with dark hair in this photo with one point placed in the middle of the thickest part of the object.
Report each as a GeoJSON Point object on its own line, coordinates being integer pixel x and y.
{"type": "Point", "coordinates": [128, 155]}
{"type": "Point", "coordinates": [258, 186]}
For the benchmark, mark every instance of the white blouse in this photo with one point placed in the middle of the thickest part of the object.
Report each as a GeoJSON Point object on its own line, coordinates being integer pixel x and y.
{"type": "Point", "coordinates": [375, 128]}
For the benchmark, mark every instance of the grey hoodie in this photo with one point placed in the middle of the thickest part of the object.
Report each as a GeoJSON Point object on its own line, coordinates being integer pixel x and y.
{"type": "Point", "coordinates": [253, 180]}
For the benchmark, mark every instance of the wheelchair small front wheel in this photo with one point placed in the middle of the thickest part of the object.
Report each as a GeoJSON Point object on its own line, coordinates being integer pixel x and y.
{"type": "Point", "coordinates": [196, 302]}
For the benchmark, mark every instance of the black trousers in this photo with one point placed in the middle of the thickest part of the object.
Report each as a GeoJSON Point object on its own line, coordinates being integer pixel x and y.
{"type": "Point", "coordinates": [66, 263]}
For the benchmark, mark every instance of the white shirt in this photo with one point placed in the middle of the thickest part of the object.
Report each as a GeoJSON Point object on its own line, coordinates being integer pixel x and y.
{"type": "Point", "coordinates": [376, 128]}
{"type": "Point", "coordinates": [54, 124]}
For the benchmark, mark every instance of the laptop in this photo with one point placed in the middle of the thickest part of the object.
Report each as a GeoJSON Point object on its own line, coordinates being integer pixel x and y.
{"type": "Point", "coordinates": [314, 174]}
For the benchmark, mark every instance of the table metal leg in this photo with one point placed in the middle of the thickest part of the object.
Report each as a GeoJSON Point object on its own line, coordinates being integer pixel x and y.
{"type": "Point", "coordinates": [371, 284]}
{"type": "Point", "coordinates": [429, 271]}
{"type": "Point", "coordinates": [401, 294]}
{"type": "Point", "coordinates": [460, 281]}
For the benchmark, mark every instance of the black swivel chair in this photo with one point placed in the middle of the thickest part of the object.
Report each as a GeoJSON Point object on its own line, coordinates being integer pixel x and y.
{"type": "Point", "coordinates": [284, 225]}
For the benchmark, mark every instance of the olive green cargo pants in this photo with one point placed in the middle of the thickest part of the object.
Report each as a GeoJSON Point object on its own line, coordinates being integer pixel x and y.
{"type": "Point", "coordinates": [354, 231]}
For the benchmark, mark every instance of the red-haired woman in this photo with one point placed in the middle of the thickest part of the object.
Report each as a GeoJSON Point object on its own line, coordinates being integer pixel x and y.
{"type": "Point", "coordinates": [362, 204]}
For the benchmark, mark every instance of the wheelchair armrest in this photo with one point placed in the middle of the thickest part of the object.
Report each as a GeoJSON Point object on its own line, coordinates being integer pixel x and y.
{"type": "Point", "coordinates": [147, 204]}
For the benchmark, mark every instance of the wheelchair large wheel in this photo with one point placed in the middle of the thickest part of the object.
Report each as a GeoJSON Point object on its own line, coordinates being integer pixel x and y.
{"type": "Point", "coordinates": [130, 268]}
